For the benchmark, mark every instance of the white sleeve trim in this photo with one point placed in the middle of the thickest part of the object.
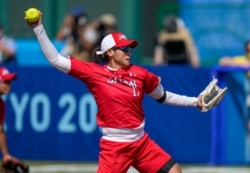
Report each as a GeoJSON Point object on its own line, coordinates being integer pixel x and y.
{"type": "Point", "coordinates": [180, 100]}
{"type": "Point", "coordinates": [172, 98]}
{"type": "Point", "coordinates": [53, 56]}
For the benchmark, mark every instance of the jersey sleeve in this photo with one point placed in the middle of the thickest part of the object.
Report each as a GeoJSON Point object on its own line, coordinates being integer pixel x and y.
{"type": "Point", "coordinates": [81, 70]}
{"type": "Point", "coordinates": [151, 82]}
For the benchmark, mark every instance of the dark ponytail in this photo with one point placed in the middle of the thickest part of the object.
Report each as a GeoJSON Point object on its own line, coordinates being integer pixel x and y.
{"type": "Point", "coordinates": [99, 59]}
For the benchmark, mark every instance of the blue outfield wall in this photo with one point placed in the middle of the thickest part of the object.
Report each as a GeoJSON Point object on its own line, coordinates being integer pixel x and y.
{"type": "Point", "coordinates": [51, 116]}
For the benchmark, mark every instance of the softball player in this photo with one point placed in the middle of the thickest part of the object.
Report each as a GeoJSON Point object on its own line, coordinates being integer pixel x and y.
{"type": "Point", "coordinates": [5, 85]}
{"type": "Point", "coordinates": [118, 88]}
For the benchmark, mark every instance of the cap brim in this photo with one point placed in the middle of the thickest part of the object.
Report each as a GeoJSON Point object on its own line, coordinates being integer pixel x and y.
{"type": "Point", "coordinates": [129, 43]}
{"type": "Point", "coordinates": [9, 77]}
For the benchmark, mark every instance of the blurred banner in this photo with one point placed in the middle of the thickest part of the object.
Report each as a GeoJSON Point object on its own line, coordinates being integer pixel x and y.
{"type": "Point", "coordinates": [51, 116]}
{"type": "Point", "coordinates": [219, 28]}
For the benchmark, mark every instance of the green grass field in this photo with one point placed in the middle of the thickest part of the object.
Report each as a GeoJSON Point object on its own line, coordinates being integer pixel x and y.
{"type": "Point", "coordinates": [77, 167]}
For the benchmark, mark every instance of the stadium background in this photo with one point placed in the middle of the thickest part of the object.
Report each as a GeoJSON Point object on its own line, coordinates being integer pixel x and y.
{"type": "Point", "coordinates": [54, 120]}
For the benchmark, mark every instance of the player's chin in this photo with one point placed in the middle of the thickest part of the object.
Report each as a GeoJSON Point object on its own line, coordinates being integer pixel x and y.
{"type": "Point", "coordinates": [126, 63]}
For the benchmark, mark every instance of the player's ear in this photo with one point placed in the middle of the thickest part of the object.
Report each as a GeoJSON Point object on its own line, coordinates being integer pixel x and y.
{"type": "Point", "coordinates": [110, 52]}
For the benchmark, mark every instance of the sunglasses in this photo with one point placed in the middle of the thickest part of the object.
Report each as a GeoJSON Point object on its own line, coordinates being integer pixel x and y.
{"type": "Point", "coordinates": [125, 49]}
{"type": "Point", "coordinates": [6, 82]}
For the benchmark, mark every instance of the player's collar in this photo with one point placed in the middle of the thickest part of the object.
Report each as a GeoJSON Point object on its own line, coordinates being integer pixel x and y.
{"type": "Point", "coordinates": [116, 70]}
{"type": "Point", "coordinates": [111, 69]}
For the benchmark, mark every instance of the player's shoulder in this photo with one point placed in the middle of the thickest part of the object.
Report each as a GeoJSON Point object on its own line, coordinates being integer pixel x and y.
{"type": "Point", "coordinates": [81, 62]}
{"type": "Point", "coordinates": [138, 68]}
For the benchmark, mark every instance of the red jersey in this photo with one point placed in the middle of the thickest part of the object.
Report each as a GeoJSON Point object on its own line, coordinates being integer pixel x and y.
{"type": "Point", "coordinates": [2, 110]}
{"type": "Point", "coordinates": [118, 93]}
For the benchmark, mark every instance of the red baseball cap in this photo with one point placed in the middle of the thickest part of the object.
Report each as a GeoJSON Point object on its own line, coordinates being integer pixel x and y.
{"type": "Point", "coordinates": [6, 76]}
{"type": "Point", "coordinates": [115, 39]}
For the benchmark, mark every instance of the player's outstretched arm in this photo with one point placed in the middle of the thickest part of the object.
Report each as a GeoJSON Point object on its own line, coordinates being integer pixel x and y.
{"type": "Point", "coordinates": [210, 97]}
{"type": "Point", "coordinates": [49, 50]}
{"type": "Point", "coordinates": [167, 97]}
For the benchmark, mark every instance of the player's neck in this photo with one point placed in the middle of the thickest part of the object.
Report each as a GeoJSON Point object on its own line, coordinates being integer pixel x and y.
{"type": "Point", "coordinates": [111, 68]}
{"type": "Point", "coordinates": [114, 66]}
